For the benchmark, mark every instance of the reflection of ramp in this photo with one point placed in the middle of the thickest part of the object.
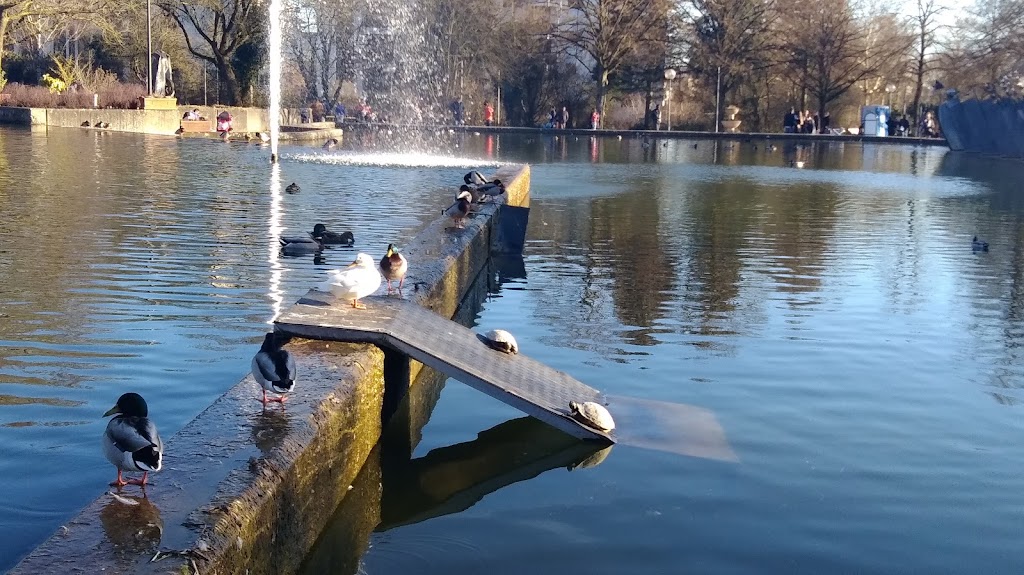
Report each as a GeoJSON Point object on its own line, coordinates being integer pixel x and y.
{"type": "Point", "coordinates": [672, 427]}
{"type": "Point", "coordinates": [446, 346]}
{"type": "Point", "coordinates": [452, 479]}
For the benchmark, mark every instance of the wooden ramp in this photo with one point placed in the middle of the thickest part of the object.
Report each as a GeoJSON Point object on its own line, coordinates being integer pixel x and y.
{"type": "Point", "coordinates": [448, 347]}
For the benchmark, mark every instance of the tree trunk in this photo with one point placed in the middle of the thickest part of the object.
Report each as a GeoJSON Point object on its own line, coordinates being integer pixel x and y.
{"type": "Point", "coordinates": [602, 83]}
{"type": "Point", "coordinates": [4, 20]}
{"type": "Point", "coordinates": [230, 92]}
{"type": "Point", "coordinates": [920, 81]}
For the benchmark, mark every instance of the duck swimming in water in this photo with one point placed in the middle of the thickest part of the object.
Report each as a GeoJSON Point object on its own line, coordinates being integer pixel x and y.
{"type": "Point", "coordinates": [393, 266]}
{"type": "Point", "coordinates": [297, 246]}
{"type": "Point", "coordinates": [131, 441]}
{"type": "Point", "coordinates": [321, 234]}
{"type": "Point", "coordinates": [978, 245]}
{"type": "Point", "coordinates": [357, 281]}
{"type": "Point", "coordinates": [274, 368]}
{"type": "Point", "coordinates": [292, 188]}
{"type": "Point", "coordinates": [330, 144]}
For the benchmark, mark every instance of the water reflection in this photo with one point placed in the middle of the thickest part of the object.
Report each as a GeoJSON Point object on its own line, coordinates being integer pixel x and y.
{"type": "Point", "coordinates": [132, 525]}
{"type": "Point", "coordinates": [452, 479]}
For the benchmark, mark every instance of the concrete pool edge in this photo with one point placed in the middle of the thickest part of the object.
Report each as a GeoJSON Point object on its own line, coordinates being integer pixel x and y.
{"type": "Point", "coordinates": [249, 490]}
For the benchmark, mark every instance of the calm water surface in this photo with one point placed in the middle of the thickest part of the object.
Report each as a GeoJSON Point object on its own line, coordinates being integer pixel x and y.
{"type": "Point", "coordinates": [862, 360]}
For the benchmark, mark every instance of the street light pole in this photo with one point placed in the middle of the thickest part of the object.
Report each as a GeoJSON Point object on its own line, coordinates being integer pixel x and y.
{"type": "Point", "coordinates": [718, 99]}
{"type": "Point", "coordinates": [670, 74]}
{"type": "Point", "coordinates": [149, 48]}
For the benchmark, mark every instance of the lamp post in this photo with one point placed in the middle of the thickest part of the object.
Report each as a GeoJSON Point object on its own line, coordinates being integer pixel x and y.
{"type": "Point", "coordinates": [149, 48]}
{"type": "Point", "coordinates": [670, 74]}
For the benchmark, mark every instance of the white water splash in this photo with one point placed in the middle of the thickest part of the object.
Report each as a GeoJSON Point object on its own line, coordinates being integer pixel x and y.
{"type": "Point", "coordinates": [405, 160]}
{"type": "Point", "coordinates": [275, 75]}
{"type": "Point", "coordinates": [274, 230]}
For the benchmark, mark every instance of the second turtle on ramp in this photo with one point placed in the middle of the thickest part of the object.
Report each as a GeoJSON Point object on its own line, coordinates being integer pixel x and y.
{"type": "Point", "coordinates": [592, 414]}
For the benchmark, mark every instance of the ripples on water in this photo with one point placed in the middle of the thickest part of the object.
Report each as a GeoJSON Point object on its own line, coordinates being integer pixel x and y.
{"type": "Point", "coordinates": [863, 361]}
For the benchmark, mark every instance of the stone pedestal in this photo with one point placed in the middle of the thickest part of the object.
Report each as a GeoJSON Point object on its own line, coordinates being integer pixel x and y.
{"type": "Point", "coordinates": [159, 103]}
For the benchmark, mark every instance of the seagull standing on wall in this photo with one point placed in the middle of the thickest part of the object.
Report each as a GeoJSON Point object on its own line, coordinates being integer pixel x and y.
{"type": "Point", "coordinates": [356, 281]}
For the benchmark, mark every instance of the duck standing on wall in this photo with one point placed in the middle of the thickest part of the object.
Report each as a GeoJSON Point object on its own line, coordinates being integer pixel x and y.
{"type": "Point", "coordinates": [357, 281]}
{"type": "Point", "coordinates": [274, 368]}
{"type": "Point", "coordinates": [491, 190]}
{"type": "Point", "coordinates": [460, 209]}
{"type": "Point", "coordinates": [394, 266]}
{"type": "Point", "coordinates": [475, 178]}
{"type": "Point", "coordinates": [330, 144]}
{"type": "Point", "coordinates": [131, 441]}
{"type": "Point", "coordinates": [324, 236]}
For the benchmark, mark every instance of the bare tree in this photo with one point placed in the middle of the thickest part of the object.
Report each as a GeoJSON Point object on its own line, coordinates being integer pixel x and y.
{"type": "Point", "coordinates": [733, 37]}
{"type": "Point", "coordinates": [600, 34]}
{"type": "Point", "coordinates": [215, 30]}
{"type": "Point", "coordinates": [319, 35]}
{"type": "Point", "coordinates": [926, 24]}
{"type": "Point", "coordinates": [21, 13]}
{"type": "Point", "coordinates": [987, 56]}
{"type": "Point", "coordinates": [830, 50]}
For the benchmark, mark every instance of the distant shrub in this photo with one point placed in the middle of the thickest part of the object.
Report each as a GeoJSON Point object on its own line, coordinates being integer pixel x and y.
{"type": "Point", "coordinates": [111, 95]}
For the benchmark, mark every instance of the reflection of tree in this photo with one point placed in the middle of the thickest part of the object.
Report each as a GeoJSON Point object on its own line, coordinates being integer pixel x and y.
{"type": "Point", "coordinates": [800, 219]}
{"type": "Point", "coordinates": [625, 234]}
{"type": "Point", "coordinates": [718, 239]}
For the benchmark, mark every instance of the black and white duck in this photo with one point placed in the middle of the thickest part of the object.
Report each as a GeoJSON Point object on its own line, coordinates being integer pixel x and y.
{"type": "Point", "coordinates": [131, 441]}
{"type": "Point", "coordinates": [325, 236]}
{"type": "Point", "coordinates": [274, 368]}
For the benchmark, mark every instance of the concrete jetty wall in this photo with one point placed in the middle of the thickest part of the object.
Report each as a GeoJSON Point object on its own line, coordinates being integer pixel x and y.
{"type": "Point", "coordinates": [245, 490]}
{"type": "Point", "coordinates": [160, 122]}
{"type": "Point", "coordinates": [984, 126]}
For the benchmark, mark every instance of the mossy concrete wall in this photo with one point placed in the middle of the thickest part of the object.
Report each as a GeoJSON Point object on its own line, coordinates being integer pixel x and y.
{"type": "Point", "coordinates": [248, 490]}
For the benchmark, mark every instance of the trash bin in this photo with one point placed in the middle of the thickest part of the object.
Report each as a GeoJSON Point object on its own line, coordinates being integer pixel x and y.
{"type": "Point", "coordinates": [875, 120]}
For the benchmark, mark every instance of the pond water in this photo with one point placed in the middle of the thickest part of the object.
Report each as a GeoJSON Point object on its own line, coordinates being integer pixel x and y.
{"type": "Point", "coordinates": [860, 357]}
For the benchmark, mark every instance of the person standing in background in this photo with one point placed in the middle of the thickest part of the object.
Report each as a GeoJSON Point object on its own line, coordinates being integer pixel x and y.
{"type": "Point", "coordinates": [595, 119]}
{"type": "Point", "coordinates": [488, 113]}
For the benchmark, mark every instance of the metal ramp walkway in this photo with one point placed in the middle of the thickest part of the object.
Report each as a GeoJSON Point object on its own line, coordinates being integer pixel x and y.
{"type": "Point", "coordinates": [448, 347]}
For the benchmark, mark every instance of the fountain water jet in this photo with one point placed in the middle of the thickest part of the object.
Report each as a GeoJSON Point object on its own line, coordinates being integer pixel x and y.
{"type": "Point", "coordinates": [275, 77]}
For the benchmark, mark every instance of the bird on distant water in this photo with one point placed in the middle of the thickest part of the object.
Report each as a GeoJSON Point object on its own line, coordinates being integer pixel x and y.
{"type": "Point", "coordinates": [978, 245]}
{"type": "Point", "coordinates": [131, 441]}
{"type": "Point", "coordinates": [393, 266]}
{"type": "Point", "coordinates": [86, 124]}
{"type": "Point", "coordinates": [324, 236]}
{"type": "Point", "coordinates": [493, 189]}
{"type": "Point", "coordinates": [475, 178]}
{"type": "Point", "coordinates": [356, 281]}
{"type": "Point", "coordinates": [292, 188]}
{"type": "Point", "coordinates": [274, 368]}
{"type": "Point", "coordinates": [460, 209]}
{"type": "Point", "coordinates": [330, 144]}
{"type": "Point", "coordinates": [297, 246]}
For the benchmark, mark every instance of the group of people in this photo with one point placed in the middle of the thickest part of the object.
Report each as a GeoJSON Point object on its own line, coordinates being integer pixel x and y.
{"type": "Point", "coordinates": [458, 110]}
{"type": "Point", "coordinates": [805, 122]}
{"type": "Point", "coordinates": [558, 120]}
